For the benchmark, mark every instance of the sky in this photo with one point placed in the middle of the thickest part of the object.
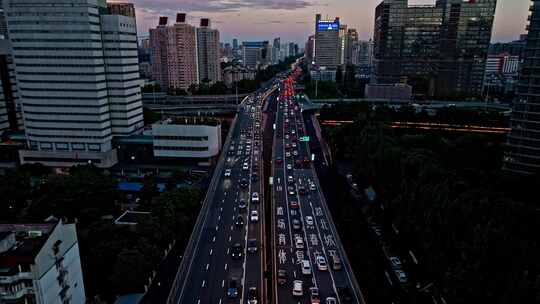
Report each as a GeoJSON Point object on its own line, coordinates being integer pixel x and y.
{"type": "Point", "coordinates": [293, 20]}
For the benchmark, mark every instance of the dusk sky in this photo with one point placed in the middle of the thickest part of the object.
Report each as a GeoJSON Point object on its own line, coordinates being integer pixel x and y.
{"type": "Point", "coordinates": [292, 20]}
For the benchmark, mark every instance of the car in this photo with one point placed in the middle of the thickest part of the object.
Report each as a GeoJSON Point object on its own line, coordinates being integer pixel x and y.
{"type": "Point", "coordinates": [228, 172]}
{"type": "Point", "coordinates": [314, 295]}
{"type": "Point", "coordinates": [279, 160]}
{"type": "Point", "coordinates": [296, 224]}
{"type": "Point", "coordinates": [306, 268]}
{"type": "Point", "coordinates": [312, 187]}
{"type": "Point", "coordinates": [298, 290]}
{"type": "Point", "coordinates": [254, 217]}
{"type": "Point", "coordinates": [282, 277]}
{"type": "Point", "coordinates": [294, 205]}
{"type": "Point", "coordinates": [290, 179]}
{"type": "Point", "coordinates": [291, 190]}
{"type": "Point", "coordinates": [321, 263]}
{"type": "Point", "coordinates": [295, 153]}
{"type": "Point", "coordinates": [395, 262]}
{"type": "Point", "coordinates": [245, 167]}
{"type": "Point", "coordinates": [287, 136]}
{"type": "Point", "coordinates": [232, 289]}
{"type": "Point", "coordinates": [299, 243]}
{"type": "Point", "coordinates": [244, 183]}
{"type": "Point", "coordinates": [236, 251]}
{"type": "Point", "coordinates": [253, 295]}
{"type": "Point", "coordinates": [252, 246]}
{"type": "Point", "coordinates": [242, 205]}
{"type": "Point", "coordinates": [239, 221]}
{"type": "Point", "coordinates": [294, 145]}
{"type": "Point", "coordinates": [344, 294]}
{"type": "Point", "coordinates": [289, 167]}
{"type": "Point", "coordinates": [309, 220]}
{"type": "Point", "coordinates": [401, 276]}
{"type": "Point", "coordinates": [302, 190]}
{"type": "Point", "coordinates": [287, 154]}
{"type": "Point", "coordinates": [331, 300]}
{"type": "Point", "coordinates": [336, 262]}
{"type": "Point", "coordinates": [254, 177]}
{"type": "Point", "coordinates": [255, 197]}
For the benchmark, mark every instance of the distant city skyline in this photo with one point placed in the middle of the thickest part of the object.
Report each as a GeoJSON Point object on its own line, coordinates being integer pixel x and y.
{"type": "Point", "coordinates": [256, 19]}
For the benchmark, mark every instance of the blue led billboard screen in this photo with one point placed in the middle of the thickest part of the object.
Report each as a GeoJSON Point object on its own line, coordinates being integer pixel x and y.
{"type": "Point", "coordinates": [327, 26]}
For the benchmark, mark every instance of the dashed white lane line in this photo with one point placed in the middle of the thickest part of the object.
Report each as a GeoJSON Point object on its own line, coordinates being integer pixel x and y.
{"type": "Point", "coordinates": [214, 239]}
{"type": "Point", "coordinates": [198, 301]}
{"type": "Point", "coordinates": [207, 266]}
{"type": "Point", "coordinates": [226, 265]}
{"type": "Point", "coordinates": [229, 240]}
{"type": "Point", "coordinates": [228, 249]}
{"type": "Point", "coordinates": [211, 251]}
{"type": "Point", "coordinates": [217, 227]}
{"type": "Point", "coordinates": [223, 283]}
{"type": "Point", "coordinates": [219, 218]}
{"type": "Point", "coordinates": [203, 283]}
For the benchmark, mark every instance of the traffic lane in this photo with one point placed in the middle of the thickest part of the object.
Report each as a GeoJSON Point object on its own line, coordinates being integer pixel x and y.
{"type": "Point", "coordinates": [201, 279]}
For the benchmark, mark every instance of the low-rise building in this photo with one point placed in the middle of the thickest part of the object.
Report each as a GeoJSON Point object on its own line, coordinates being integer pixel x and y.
{"type": "Point", "coordinates": [234, 73]}
{"type": "Point", "coordinates": [40, 263]}
{"type": "Point", "coordinates": [396, 91]}
{"type": "Point", "coordinates": [187, 138]}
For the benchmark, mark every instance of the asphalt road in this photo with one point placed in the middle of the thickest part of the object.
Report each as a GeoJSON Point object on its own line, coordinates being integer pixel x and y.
{"type": "Point", "coordinates": [213, 266]}
{"type": "Point", "coordinates": [314, 225]}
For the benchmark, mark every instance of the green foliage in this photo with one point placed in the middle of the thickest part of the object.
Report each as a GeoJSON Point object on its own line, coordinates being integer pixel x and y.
{"type": "Point", "coordinates": [472, 227]}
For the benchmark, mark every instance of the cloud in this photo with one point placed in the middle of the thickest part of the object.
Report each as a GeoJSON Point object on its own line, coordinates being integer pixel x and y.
{"type": "Point", "coordinates": [167, 7]}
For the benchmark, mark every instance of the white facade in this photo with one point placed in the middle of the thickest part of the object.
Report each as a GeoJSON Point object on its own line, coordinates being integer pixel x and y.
{"type": "Point", "coordinates": [54, 275]}
{"type": "Point", "coordinates": [78, 78]}
{"type": "Point", "coordinates": [186, 140]}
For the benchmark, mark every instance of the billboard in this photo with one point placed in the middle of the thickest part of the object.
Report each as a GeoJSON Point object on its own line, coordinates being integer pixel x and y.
{"type": "Point", "coordinates": [327, 26]}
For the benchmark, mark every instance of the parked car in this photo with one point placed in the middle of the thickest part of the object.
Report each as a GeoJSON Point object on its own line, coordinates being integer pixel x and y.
{"type": "Point", "coordinates": [254, 217]}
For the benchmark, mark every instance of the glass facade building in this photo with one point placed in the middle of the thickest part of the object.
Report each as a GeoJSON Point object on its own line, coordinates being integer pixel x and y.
{"type": "Point", "coordinates": [439, 49]}
{"type": "Point", "coordinates": [523, 146]}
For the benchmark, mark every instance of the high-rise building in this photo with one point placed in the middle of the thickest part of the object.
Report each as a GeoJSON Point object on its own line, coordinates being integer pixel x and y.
{"type": "Point", "coordinates": [352, 40]}
{"type": "Point", "coordinates": [276, 46]}
{"type": "Point", "coordinates": [326, 42]}
{"type": "Point", "coordinates": [365, 53]}
{"type": "Point", "coordinates": [309, 48]}
{"type": "Point", "coordinates": [40, 264]}
{"type": "Point", "coordinates": [523, 153]}
{"type": "Point", "coordinates": [3, 25]}
{"type": "Point", "coordinates": [256, 54]}
{"type": "Point", "coordinates": [439, 49]}
{"type": "Point", "coordinates": [208, 50]}
{"type": "Point", "coordinates": [78, 78]}
{"type": "Point", "coordinates": [121, 8]}
{"type": "Point", "coordinates": [342, 44]}
{"type": "Point", "coordinates": [174, 53]}
{"type": "Point", "coordinates": [235, 44]}
{"type": "Point", "coordinates": [10, 108]}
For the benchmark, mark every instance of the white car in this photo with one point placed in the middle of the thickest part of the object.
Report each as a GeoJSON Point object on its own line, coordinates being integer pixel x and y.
{"type": "Point", "coordinates": [309, 220]}
{"type": "Point", "coordinates": [297, 288]}
{"type": "Point", "coordinates": [245, 166]}
{"type": "Point", "coordinates": [321, 263]}
{"type": "Point", "coordinates": [287, 154]}
{"type": "Point", "coordinates": [299, 243]}
{"type": "Point", "coordinates": [228, 172]}
{"type": "Point", "coordinates": [331, 300]}
{"type": "Point", "coordinates": [255, 197]}
{"type": "Point", "coordinates": [295, 153]}
{"type": "Point", "coordinates": [254, 217]}
{"type": "Point", "coordinates": [289, 167]}
{"type": "Point", "coordinates": [306, 267]}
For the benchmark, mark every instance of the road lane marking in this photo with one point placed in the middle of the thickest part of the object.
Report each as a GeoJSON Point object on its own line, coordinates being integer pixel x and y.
{"type": "Point", "coordinates": [214, 239]}
{"type": "Point", "coordinates": [211, 251]}
{"type": "Point", "coordinates": [203, 283]}
{"type": "Point", "coordinates": [207, 266]}
{"type": "Point", "coordinates": [229, 239]}
{"type": "Point", "coordinates": [222, 285]}
{"type": "Point", "coordinates": [217, 227]}
{"type": "Point", "coordinates": [226, 266]}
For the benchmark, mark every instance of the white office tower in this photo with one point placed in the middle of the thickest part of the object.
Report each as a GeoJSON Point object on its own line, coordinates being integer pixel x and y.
{"type": "Point", "coordinates": [209, 65]}
{"type": "Point", "coordinates": [78, 76]}
{"type": "Point", "coordinates": [40, 263]}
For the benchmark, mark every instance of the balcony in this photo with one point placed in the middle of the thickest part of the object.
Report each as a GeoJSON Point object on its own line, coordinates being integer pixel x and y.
{"type": "Point", "coordinates": [14, 295]}
{"type": "Point", "coordinates": [16, 277]}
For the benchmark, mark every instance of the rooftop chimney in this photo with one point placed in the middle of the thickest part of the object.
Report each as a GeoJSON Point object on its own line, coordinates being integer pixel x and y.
{"type": "Point", "coordinates": [181, 18]}
{"type": "Point", "coordinates": [163, 20]}
{"type": "Point", "coordinates": [205, 22]}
